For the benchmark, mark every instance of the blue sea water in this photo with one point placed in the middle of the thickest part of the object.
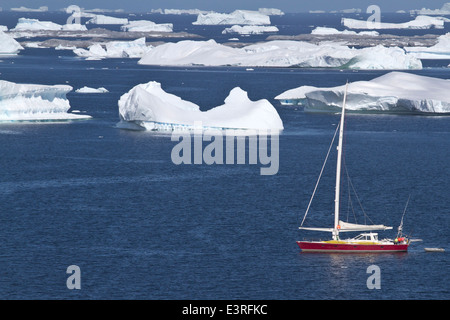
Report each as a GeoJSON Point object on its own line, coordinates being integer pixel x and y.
{"type": "Point", "coordinates": [112, 202]}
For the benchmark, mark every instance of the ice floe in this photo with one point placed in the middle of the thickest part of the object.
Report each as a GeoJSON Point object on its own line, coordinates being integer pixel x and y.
{"type": "Point", "coordinates": [333, 31]}
{"type": "Point", "coordinates": [26, 24]}
{"type": "Point", "coordinates": [247, 30]}
{"type": "Point", "coordinates": [420, 22]}
{"type": "Point", "coordinates": [102, 19]}
{"type": "Point", "coordinates": [240, 17]}
{"type": "Point", "coordinates": [114, 49]}
{"type": "Point", "coordinates": [91, 90]}
{"type": "Point", "coordinates": [149, 106]}
{"type": "Point", "coordinates": [33, 102]}
{"type": "Point", "coordinates": [146, 26]}
{"type": "Point", "coordinates": [441, 50]}
{"type": "Point", "coordinates": [394, 92]}
{"type": "Point", "coordinates": [279, 53]}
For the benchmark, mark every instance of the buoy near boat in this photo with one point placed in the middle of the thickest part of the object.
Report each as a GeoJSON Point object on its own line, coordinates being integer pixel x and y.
{"type": "Point", "coordinates": [434, 249]}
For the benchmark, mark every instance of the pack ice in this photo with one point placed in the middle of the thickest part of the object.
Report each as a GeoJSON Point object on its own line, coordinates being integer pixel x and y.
{"type": "Point", "coordinates": [33, 102]}
{"type": "Point", "coordinates": [279, 53]}
{"type": "Point", "coordinates": [9, 45]}
{"type": "Point", "coordinates": [148, 106]}
{"type": "Point", "coordinates": [394, 92]}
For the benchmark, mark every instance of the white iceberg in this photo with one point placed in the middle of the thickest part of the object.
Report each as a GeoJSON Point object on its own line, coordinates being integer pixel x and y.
{"type": "Point", "coordinates": [3, 28]}
{"type": "Point", "coordinates": [146, 26]}
{"type": "Point", "coordinates": [25, 9]}
{"type": "Point", "coordinates": [420, 22]}
{"type": "Point", "coordinates": [114, 49]}
{"type": "Point", "coordinates": [242, 17]}
{"type": "Point", "coordinates": [102, 19]}
{"type": "Point", "coordinates": [9, 45]}
{"type": "Point", "coordinates": [149, 106]}
{"type": "Point", "coordinates": [181, 11]}
{"type": "Point", "coordinates": [394, 92]}
{"type": "Point", "coordinates": [441, 50]}
{"type": "Point", "coordinates": [247, 30]}
{"type": "Point", "coordinates": [279, 54]}
{"type": "Point", "coordinates": [271, 11]}
{"type": "Point", "coordinates": [91, 90]}
{"type": "Point", "coordinates": [25, 24]}
{"type": "Point", "coordinates": [33, 102]}
{"type": "Point", "coordinates": [330, 31]}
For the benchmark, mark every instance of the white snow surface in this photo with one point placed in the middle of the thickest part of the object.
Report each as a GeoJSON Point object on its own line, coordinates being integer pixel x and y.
{"type": "Point", "coordinates": [9, 45]}
{"type": "Point", "coordinates": [146, 26]}
{"type": "Point", "coordinates": [25, 24]}
{"type": "Point", "coordinates": [102, 19]}
{"type": "Point", "coordinates": [420, 22]}
{"type": "Point", "coordinates": [328, 31]}
{"type": "Point", "coordinates": [247, 30]}
{"type": "Point", "coordinates": [114, 49]}
{"type": "Point", "coordinates": [397, 92]}
{"type": "Point", "coordinates": [279, 53]}
{"type": "Point", "coordinates": [86, 89]}
{"type": "Point", "coordinates": [148, 105]}
{"type": "Point", "coordinates": [240, 17]}
{"type": "Point", "coordinates": [28, 102]}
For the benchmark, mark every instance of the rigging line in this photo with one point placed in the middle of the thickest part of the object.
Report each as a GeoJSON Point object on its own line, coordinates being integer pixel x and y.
{"type": "Point", "coordinates": [320, 175]}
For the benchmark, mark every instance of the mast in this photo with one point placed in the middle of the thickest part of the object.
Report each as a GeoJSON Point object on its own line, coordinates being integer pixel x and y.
{"type": "Point", "coordinates": [338, 169]}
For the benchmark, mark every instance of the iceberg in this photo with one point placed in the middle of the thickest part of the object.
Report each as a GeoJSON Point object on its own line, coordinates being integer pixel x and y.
{"type": "Point", "coordinates": [25, 24]}
{"type": "Point", "coordinates": [114, 49]}
{"type": "Point", "coordinates": [394, 92]}
{"type": "Point", "coordinates": [271, 11]}
{"type": "Point", "coordinates": [33, 102]}
{"type": "Point", "coordinates": [148, 106]}
{"type": "Point", "coordinates": [441, 50]}
{"type": "Point", "coordinates": [91, 90]}
{"type": "Point", "coordinates": [146, 26]}
{"type": "Point", "coordinates": [420, 22]}
{"type": "Point", "coordinates": [332, 31]}
{"type": "Point", "coordinates": [25, 9]}
{"type": "Point", "coordinates": [445, 10]}
{"type": "Point", "coordinates": [247, 30]}
{"type": "Point", "coordinates": [279, 54]}
{"type": "Point", "coordinates": [102, 19]}
{"type": "Point", "coordinates": [242, 17]}
{"type": "Point", "coordinates": [9, 45]}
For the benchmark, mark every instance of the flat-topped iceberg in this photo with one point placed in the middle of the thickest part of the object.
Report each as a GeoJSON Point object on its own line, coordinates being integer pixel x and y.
{"type": "Point", "coordinates": [33, 102]}
{"type": "Point", "coordinates": [394, 92]}
{"type": "Point", "coordinates": [148, 106]}
{"type": "Point", "coordinates": [86, 89]}
{"type": "Point", "coordinates": [25, 24]}
{"type": "Point", "coordinates": [247, 30]}
{"type": "Point", "coordinates": [9, 45]}
{"type": "Point", "coordinates": [114, 49]}
{"type": "Point", "coordinates": [146, 26]}
{"type": "Point", "coordinates": [279, 53]}
{"type": "Point", "coordinates": [102, 19]}
{"type": "Point", "coordinates": [420, 22]}
{"type": "Point", "coordinates": [242, 17]}
{"type": "Point", "coordinates": [329, 31]}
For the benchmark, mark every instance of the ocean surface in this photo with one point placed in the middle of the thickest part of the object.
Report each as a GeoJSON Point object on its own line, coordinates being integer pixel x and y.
{"type": "Point", "coordinates": [112, 202]}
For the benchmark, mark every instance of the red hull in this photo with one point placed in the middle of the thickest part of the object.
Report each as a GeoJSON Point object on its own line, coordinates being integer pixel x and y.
{"type": "Point", "coordinates": [350, 248]}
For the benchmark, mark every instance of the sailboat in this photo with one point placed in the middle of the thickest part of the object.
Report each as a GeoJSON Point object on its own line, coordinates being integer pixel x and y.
{"type": "Point", "coordinates": [367, 241]}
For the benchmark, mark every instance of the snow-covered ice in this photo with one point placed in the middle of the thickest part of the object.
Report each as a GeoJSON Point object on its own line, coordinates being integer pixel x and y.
{"type": "Point", "coordinates": [33, 102]}
{"type": "Point", "coordinates": [247, 30]}
{"type": "Point", "coordinates": [394, 92]}
{"type": "Point", "coordinates": [241, 17]}
{"type": "Point", "coordinates": [445, 10]}
{"type": "Point", "coordinates": [328, 31]}
{"type": "Point", "coordinates": [149, 106]}
{"type": "Point", "coordinates": [26, 24]}
{"type": "Point", "coordinates": [91, 90]}
{"type": "Point", "coordinates": [114, 49]}
{"type": "Point", "coordinates": [279, 53]}
{"type": "Point", "coordinates": [146, 26]}
{"type": "Point", "coordinates": [102, 19]}
{"type": "Point", "coordinates": [420, 22]}
{"type": "Point", "coordinates": [9, 45]}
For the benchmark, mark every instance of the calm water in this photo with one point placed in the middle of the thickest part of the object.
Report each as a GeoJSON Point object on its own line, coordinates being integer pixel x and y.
{"type": "Point", "coordinates": [112, 202]}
